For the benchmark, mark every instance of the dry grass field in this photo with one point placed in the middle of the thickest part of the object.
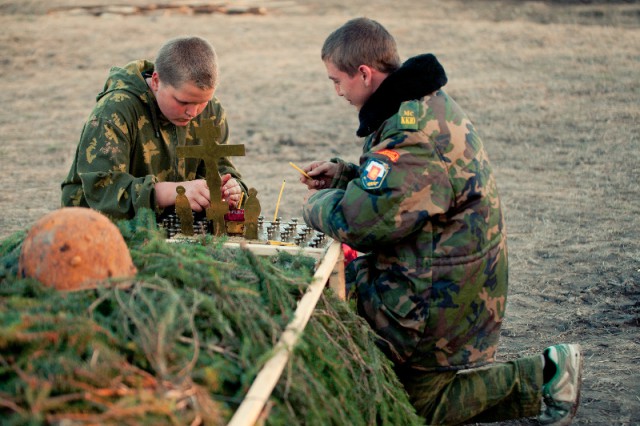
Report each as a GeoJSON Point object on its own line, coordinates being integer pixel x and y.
{"type": "Point", "coordinates": [553, 87]}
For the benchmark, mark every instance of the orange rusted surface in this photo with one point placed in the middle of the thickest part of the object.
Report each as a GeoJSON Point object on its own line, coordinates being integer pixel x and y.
{"type": "Point", "coordinates": [75, 248]}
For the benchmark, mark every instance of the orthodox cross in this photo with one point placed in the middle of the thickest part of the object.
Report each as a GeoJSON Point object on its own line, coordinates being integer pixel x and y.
{"type": "Point", "coordinates": [210, 151]}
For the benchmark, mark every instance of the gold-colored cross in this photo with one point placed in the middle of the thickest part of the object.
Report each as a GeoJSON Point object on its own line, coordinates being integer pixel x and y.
{"type": "Point", "coordinates": [210, 151]}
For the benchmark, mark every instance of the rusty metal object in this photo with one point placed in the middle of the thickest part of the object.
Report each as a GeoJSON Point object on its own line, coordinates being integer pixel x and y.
{"type": "Point", "coordinates": [252, 212]}
{"type": "Point", "coordinates": [184, 212]}
{"type": "Point", "coordinates": [210, 151]}
{"type": "Point", "coordinates": [234, 221]}
{"type": "Point", "coordinates": [75, 248]}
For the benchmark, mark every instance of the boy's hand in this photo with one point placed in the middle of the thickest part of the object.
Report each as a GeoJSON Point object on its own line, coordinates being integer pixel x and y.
{"type": "Point", "coordinates": [322, 173]}
{"type": "Point", "coordinates": [230, 190]}
{"type": "Point", "coordinates": [196, 191]}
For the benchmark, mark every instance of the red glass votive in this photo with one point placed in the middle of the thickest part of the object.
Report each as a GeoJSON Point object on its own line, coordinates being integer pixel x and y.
{"type": "Point", "coordinates": [236, 215]}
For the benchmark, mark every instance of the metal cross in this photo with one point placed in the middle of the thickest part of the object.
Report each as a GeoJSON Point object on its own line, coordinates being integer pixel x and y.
{"type": "Point", "coordinates": [210, 151]}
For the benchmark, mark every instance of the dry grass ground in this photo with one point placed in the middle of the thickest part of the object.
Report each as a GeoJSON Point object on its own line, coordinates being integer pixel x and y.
{"type": "Point", "coordinates": [552, 87]}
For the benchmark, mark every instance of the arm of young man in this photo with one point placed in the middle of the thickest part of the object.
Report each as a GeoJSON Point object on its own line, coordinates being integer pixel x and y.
{"type": "Point", "coordinates": [99, 177]}
{"type": "Point", "coordinates": [391, 197]}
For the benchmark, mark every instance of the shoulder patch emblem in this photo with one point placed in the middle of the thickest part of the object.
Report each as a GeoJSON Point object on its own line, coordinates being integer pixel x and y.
{"type": "Point", "coordinates": [390, 154]}
{"type": "Point", "coordinates": [408, 116]}
{"type": "Point", "coordinates": [375, 172]}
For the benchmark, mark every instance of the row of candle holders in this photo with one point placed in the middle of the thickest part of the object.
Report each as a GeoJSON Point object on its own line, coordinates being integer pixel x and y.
{"type": "Point", "coordinates": [276, 230]}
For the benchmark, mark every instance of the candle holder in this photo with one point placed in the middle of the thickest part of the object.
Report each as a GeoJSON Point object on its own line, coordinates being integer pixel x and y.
{"type": "Point", "coordinates": [234, 222]}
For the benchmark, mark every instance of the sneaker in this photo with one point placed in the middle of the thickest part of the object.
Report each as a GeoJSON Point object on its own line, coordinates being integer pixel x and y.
{"type": "Point", "coordinates": [562, 393]}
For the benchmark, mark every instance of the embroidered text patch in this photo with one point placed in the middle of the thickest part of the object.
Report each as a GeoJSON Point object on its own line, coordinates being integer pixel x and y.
{"type": "Point", "coordinates": [408, 116]}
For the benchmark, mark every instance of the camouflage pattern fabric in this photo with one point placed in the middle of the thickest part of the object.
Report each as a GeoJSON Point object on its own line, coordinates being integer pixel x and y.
{"type": "Point", "coordinates": [501, 391]}
{"type": "Point", "coordinates": [424, 207]}
{"type": "Point", "coordinates": [127, 145]}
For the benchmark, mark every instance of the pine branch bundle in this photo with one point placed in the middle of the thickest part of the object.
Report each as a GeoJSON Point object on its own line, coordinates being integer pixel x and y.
{"type": "Point", "coordinates": [183, 343]}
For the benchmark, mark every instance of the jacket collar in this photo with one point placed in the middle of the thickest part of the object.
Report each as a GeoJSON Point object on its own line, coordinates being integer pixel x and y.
{"type": "Point", "coordinates": [416, 78]}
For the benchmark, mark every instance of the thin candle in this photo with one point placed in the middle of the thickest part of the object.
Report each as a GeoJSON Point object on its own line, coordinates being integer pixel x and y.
{"type": "Point", "coordinates": [240, 201]}
{"type": "Point", "coordinates": [275, 216]}
{"type": "Point", "coordinates": [300, 170]}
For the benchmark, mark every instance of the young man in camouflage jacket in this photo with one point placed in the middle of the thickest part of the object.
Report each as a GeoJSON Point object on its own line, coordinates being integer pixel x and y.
{"type": "Point", "coordinates": [423, 207]}
{"type": "Point", "coordinates": [126, 158]}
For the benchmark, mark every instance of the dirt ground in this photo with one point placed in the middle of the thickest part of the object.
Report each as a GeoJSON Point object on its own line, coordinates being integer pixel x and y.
{"type": "Point", "coordinates": [553, 88]}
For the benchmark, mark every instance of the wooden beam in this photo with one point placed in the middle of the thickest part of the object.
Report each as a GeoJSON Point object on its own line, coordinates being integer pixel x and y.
{"type": "Point", "coordinates": [195, 7]}
{"type": "Point", "coordinates": [249, 410]}
{"type": "Point", "coordinates": [337, 280]}
{"type": "Point", "coordinates": [264, 249]}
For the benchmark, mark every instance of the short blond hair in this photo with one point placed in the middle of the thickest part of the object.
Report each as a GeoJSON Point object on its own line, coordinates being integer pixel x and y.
{"type": "Point", "coordinates": [188, 59]}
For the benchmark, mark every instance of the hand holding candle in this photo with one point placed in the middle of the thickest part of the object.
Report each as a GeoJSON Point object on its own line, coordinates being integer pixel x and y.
{"type": "Point", "coordinates": [320, 174]}
{"type": "Point", "coordinates": [300, 170]}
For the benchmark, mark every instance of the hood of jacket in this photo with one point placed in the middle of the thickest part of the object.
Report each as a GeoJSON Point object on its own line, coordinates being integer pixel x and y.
{"type": "Point", "coordinates": [132, 79]}
{"type": "Point", "coordinates": [416, 78]}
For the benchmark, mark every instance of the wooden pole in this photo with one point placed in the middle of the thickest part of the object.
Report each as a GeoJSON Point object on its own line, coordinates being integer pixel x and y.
{"type": "Point", "coordinates": [249, 410]}
{"type": "Point", "coordinates": [337, 281]}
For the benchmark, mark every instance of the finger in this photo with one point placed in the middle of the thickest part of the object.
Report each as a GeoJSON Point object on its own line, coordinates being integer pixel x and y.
{"type": "Point", "coordinates": [231, 183]}
{"type": "Point", "coordinates": [233, 200]}
{"type": "Point", "coordinates": [230, 192]}
{"type": "Point", "coordinates": [314, 171]}
{"type": "Point", "coordinates": [205, 203]}
{"type": "Point", "coordinates": [204, 196]}
{"type": "Point", "coordinates": [322, 170]}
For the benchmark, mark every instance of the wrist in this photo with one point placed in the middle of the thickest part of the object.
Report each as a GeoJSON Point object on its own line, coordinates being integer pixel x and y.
{"type": "Point", "coordinates": [163, 191]}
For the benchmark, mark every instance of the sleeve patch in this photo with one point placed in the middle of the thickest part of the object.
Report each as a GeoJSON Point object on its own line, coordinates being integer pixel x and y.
{"type": "Point", "coordinates": [390, 154]}
{"type": "Point", "coordinates": [374, 174]}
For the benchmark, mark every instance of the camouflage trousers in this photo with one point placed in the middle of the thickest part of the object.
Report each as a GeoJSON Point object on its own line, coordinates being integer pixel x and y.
{"type": "Point", "coordinates": [496, 392]}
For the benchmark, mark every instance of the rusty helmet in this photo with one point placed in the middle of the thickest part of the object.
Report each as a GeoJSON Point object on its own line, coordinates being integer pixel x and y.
{"type": "Point", "coordinates": [75, 248]}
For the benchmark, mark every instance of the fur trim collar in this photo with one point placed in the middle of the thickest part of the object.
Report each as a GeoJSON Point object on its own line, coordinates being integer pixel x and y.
{"type": "Point", "coordinates": [416, 78]}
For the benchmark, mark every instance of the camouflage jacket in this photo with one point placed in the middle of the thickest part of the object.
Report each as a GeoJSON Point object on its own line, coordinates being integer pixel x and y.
{"type": "Point", "coordinates": [127, 145]}
{"type": "Point", "coordinates": [423, 206]}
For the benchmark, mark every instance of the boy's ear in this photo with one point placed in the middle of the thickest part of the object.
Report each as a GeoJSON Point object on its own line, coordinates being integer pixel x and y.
{"type": "Point", "coordinates": [365, 73]}
{"type": "Point", "coordinates": [155, 81]}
